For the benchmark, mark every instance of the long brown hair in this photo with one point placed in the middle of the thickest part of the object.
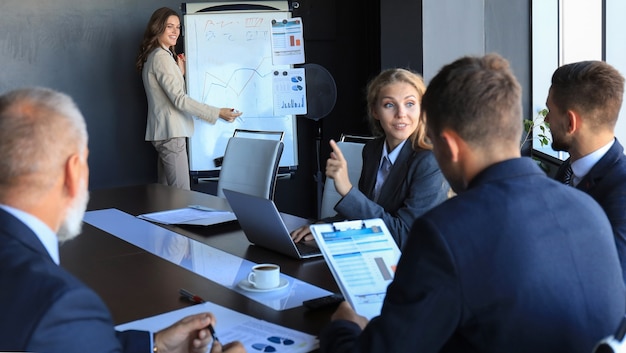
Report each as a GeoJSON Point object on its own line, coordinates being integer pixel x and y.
{"type": "Point", "coordinates": [156, 26]}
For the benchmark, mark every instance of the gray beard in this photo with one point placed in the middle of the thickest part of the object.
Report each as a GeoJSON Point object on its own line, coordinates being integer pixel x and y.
{"type": "Point", "coordinates": [73, 223]}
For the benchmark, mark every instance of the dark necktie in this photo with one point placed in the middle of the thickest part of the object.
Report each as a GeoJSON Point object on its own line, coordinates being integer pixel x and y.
{"type": "Point", "coordinates": [567, 176]}
{"type": "Point", "coordinates": [381, 176]}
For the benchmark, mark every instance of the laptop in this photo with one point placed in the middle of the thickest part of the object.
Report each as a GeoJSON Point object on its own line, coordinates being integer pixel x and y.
{"type": "Point", "coordinates": [265, 226]}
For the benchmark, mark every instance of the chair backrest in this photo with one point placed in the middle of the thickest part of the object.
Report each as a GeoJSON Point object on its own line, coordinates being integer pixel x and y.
{"type": "Point", "coordinates": [352, 153]}
{"type": "Point", "coordinates": [250, 166]}
{"type": "Point", "coordinates": [355, 138]}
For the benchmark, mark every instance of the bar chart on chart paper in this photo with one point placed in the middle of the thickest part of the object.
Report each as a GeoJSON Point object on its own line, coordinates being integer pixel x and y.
{"type": "Point", "coordinates": [289, 92]}
{"type": "Point", "coordinates": [287, 42]}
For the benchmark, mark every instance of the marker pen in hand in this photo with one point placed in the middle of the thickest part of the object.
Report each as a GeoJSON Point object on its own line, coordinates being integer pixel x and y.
{"type": "Point", "coordinates": [212, 330]}
{"type": "Point", "coordinates": [236, 112]}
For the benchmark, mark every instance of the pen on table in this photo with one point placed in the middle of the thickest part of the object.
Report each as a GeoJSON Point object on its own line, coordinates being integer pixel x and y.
{"type": "Point", "coordinates": [202, 208]}
{"type": "Point", "coordinates": [190, 296]}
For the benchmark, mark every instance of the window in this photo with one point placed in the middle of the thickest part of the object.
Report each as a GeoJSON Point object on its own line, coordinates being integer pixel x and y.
{"type": "Point", "coordinates": [563, 31]}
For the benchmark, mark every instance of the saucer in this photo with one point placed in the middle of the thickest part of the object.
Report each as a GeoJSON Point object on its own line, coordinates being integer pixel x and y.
{"type": "Point", "coordinates": [247, 286]}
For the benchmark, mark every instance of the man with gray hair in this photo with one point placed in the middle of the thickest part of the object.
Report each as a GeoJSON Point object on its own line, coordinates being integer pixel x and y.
{"type": "Point", "coordinates": [43, 196]}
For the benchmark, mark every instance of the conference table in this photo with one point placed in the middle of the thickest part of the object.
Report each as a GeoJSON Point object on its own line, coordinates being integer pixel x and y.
{"type": "Point", "coordinates": [136, 284]}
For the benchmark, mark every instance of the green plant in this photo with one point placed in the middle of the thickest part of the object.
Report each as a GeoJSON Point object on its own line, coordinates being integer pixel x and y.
{"type": "Point", "coordinates": [544, 127]}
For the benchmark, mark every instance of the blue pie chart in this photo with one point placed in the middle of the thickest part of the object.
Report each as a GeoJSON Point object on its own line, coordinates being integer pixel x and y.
{"type": "Point", "coordinates": [261, 347]}
{"type": "Point", "coordinates": [281, 340]}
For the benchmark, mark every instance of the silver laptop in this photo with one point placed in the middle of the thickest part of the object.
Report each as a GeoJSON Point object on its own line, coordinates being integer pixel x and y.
{"type": "Point", "coordinates": [265, 226]}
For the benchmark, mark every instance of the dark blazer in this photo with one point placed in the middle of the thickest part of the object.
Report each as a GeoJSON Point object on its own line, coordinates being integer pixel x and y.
{"type": "Point", "coordinates": [487, 271]}
{"type": "Point", "coordinates": [414, 185]}
{"type": "Point", "coordinates": [45, 309]}
{"type": "Point", "coordinates": [606, 183]}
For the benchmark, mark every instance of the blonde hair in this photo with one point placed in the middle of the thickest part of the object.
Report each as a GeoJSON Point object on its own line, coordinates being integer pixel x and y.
{"type": "Point", "coordinates": [386, 78]}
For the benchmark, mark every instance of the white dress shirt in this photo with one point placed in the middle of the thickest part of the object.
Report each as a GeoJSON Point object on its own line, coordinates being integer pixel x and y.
{"type": "Point", "coordinates": [581, 167]}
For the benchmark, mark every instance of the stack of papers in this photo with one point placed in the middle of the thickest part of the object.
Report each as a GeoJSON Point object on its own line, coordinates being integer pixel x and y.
{"type": "Point", "coordinates": [191, 215]}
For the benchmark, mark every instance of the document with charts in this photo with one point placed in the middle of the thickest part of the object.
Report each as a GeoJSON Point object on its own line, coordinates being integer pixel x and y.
{"type": "Point", "coordinates": [362, 256]}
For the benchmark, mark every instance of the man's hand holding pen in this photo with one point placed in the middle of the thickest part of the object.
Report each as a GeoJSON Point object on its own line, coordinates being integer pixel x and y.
{"type": "Point", "coordinates": [233, 347]}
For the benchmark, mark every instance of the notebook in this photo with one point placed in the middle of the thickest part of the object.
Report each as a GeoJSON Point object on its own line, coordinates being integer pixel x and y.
{"type": "Point", "coordinates": [265, 226]}
{"type": "Point", "coordinates": [362, 256]}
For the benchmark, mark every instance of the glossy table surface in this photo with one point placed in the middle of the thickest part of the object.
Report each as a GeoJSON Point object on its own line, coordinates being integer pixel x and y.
{"type": "Point", "coordinates": [136, 284]}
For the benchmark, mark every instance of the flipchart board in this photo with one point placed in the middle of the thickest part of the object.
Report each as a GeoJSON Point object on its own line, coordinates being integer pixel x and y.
{"type": "Point", "coordinates": [229, 64]}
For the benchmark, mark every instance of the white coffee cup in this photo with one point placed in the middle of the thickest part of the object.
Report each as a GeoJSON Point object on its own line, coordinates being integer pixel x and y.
{"type": "Point", "coordinates": [265, 276]}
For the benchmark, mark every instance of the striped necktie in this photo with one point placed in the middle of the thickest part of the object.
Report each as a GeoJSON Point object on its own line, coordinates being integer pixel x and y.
{"type": "Point", "coordinates": [567, 176]}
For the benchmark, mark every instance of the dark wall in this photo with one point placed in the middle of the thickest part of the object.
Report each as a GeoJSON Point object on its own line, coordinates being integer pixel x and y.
{"type": "Point", "coordinates": [432, 33]}
{"type": "Point", "coordinates": [87, 48]}
{"type": "Point", "coordinates": [401, 35]}
{"type": "Point", "coordinates": [347, 50]}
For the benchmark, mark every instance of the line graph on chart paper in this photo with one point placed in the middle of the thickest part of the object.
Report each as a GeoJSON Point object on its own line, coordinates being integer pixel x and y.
{"type": "Point", "coordinates": [229, 62]}
{"type": "Point", "coordinates": [245, 88]}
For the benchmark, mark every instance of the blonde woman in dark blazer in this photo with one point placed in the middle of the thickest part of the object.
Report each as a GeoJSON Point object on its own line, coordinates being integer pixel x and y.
{"type": "Point", "coordinates": [413, 183]}
{"type": "Point", "coordinates": [170, 109]}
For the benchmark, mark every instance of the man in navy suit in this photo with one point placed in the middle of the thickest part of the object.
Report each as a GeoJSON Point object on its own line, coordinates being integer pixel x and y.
{"type": "Point", "coordinates": [516, 262]}
{"type": "Point", "coordinates": [584, 103]}
{"type": "Point", "coordinates": [43, 196]}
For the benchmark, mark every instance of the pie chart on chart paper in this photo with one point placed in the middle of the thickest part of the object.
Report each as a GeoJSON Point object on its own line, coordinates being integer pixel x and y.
{"type": "Point", "coordinates": [281, 340]}
{"type": "Point", "coordinates": [262, 347]}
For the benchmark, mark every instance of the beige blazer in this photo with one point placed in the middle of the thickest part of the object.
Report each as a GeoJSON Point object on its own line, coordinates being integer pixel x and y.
{"type": "Point", "coordinates": [170, 109]}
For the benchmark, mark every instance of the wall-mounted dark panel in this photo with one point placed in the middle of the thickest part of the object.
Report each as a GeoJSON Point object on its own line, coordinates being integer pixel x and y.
{"type": "Point", "coordinates": [87, 48]}
{"type": "Point", "coordinates": [401, 37]}
{"type": "Point", "coordinates": [319, 17]}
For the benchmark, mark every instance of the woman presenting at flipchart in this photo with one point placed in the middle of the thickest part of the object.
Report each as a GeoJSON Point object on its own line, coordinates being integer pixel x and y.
{"type": "Point", "coordinates": [170, 109]}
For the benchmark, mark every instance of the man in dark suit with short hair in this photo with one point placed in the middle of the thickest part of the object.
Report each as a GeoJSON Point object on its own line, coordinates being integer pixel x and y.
{"type": "Point", "coordinates": [584, 103]}
{"type": "Point", "coordinates": [516, 262]}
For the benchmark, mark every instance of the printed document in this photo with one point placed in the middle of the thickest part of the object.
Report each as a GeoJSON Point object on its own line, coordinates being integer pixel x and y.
{"type": "Point", "coordinates": [362, 256]}
{"type": "Point", "coordinates": [256, 335]}
{"type": "Point", "coordinates": [192, 215]}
